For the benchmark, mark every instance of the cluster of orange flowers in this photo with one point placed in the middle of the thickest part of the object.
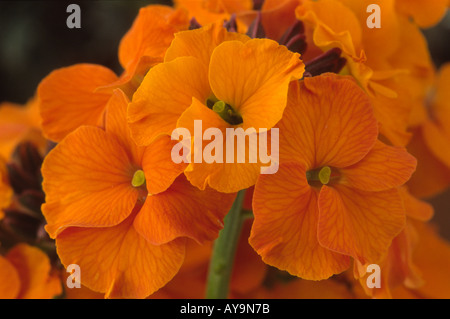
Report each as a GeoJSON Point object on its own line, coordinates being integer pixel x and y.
{"type": "Point", "coordinates": [87, 178]}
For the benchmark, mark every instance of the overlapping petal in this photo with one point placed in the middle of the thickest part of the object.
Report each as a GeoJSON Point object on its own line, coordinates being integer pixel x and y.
{"type": "Point", "coordinates": [255, 81]}
{"type": "Point", "coordinates": [9, 280]}
{"type": "Point", "coordinates": [175, 213]}
{"type": "Point", "coordinates": [87, 180]}
{"type": "Point", "coordinates": [151, 34]}
{"type": "Point", "coordinates": [165, 93]}
{"type": "Point", "coordinates": [284, 231]}
{"type": "Point", "coordinates": [34, 273]}
{"type": "Point", "coordinates": [118, 260]}
{"type": "Point", "coordinates": [68, 98]}
{"type": "Point", "coordinates": [359, 223]}
{"type": "Point", "coordinates": [329, 120]}
{"type": "Point", "coordinates": [384, 167]}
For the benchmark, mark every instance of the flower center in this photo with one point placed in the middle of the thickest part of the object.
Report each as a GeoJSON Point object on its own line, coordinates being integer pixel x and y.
{"type": "Point", "coordinates": [321, 175]}
{"type": "Point", "coordinates": [225, 111]}
{"type": "Point", "coordinates": [138, 178]}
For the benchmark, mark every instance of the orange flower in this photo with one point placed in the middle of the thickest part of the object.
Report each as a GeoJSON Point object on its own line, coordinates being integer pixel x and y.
{"type": "Point", "coordinates": [77, 95]}
{"type": "Point", "coordinates": [335, 194]}
{"type": "Point", "coordinates": [395, 74]}
{"type": "Point", "coordinates": [20, 123]}
{"type": "Point", "coordinates": [397, 268]}
{"type": "Point", "coordinates": [431, 140]}
{"type": "Point", "coordinates": [432, 258]}
{"type": "Point", "coordinates": [25, 273]}
{"type": "Point", "coordinates": [207, 66]}
{"type": "Point", "coordinates": [425, 13]}
{"type": "Point", "coordinates": [210, 11]}
{"type": "Point", "coordinates": [105, 194]}
{"type": "Point", "coordinates": [276, 15]}
{"type": "Point", "coordinates": [426, 266]}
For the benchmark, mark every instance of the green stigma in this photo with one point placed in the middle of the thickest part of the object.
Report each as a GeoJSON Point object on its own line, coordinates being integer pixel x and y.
{"type": "Point", "coordinates": [322, 175]}
{"type": "Point", "coordinates": [138, 178]}
{"type": "Point", "coordinates": [227, 113]}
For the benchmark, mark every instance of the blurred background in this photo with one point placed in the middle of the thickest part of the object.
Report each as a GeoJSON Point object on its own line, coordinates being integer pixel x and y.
{"type": "Point", "coordinates": [34, 40]}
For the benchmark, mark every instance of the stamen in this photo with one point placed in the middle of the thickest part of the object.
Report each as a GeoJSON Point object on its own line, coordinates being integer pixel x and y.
{"type": "Point", "coordinates": [138, 178]}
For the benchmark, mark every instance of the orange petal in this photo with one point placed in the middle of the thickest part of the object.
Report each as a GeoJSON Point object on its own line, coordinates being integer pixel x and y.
{"type": "Point", "coordinates": [437, 140]}
{"type": "Point", "coordinates": [9, 280]}
{"type": "Point", "coordinates": [432, 176]}
{"type": "Point", "coordinates": [384, 167]}
{"type": "Point", "coordinates": [432, 258]}
{"type": "Point", "coordinates": [284, 230]}
{"type": "Point", "coordinates": [200, 43]}
{"type": "Point", "coordinates": [183, 211]}
{"type": "Point", "coordinates": [155, 160]}
{"type": "Point", "coordinates": [118, 261]}
{"type": "Point", "coordinates": [151, 34]}
{"type": "Point", "coordinates": [392, 114]}
{"type": "Point", "coordinates": [249, 270]}
{"type": "Point", "coordinates": [334, 24]}
{"type": "Point", "coordinates": [425, 13]}
{"type": "Point", "coordinates": [225, 177]}
{"type": "Point", "coordinates": [159, 168]}
{"type": "Point", "coordinates": [358, 223]}
{"type": "Point", "coordinates": [388, 34]}
{"type": "Point", "coordinates": [415, 208]}
{"type": "Point", "coordinates": [338, 131]}
{"type": "Point", "coordinates": [260, 97]}
{"type": "Point", "coordinates": [33, 268]}
{"type": "Point", "coordinates": [87, 181]}
{"type": "Point", "coordinates": [283, 12]}
{"type": "Point", "coordinates": [116, 125]}
{"type": "Point", "coordinates": [165, 93]}
{"type": "Point", "coordinates": [18, 123]}
{"type": "Point", "coordinates": [205, 12]}
{"type": "Point", "coordinates": [67, 98]}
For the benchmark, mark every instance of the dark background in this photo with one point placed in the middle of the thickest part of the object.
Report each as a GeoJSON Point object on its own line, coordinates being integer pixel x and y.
{"type": "Point", "coordinates": [34, 40]}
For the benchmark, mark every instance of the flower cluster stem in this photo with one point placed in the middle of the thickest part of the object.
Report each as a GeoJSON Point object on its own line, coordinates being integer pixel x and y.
{"type": "Point", "coordinates": [224, 250]}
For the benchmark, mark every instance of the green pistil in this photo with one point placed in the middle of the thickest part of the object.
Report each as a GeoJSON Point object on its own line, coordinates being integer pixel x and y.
{"type": "Point", "coordinates": [138, 178]}
{"type": "Point", "coordinates": [227, 113]}
{"type": "Point", "coordinates": [322, 175]}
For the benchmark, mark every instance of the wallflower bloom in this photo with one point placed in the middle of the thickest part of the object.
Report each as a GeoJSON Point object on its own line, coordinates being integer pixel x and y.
{"type": "Point", "coordinates": [430, 143]}
{"type": "Point", "coordinates": [397, 267]}
{"type": "Point", "coordinates": [120, 211]}
{"type": "Point", "coordinates": [20, 123]}
{"type": "Point", "coordinates": [210, 11]}
{"type": "Point", "coordinates": [25, 273]}
{"type": "Point", "coordinates": [335, 194]}
{"type": "Point", "coordinates": [395, 75]}
{"type": "Point", "coordinates": [424, 13]}
{"type": "Point", "coordinates": [78, 94]}
{"type": "Point", "coordinates": [276, 15]}
{"type": "Point", "coordinates": [207, 67]}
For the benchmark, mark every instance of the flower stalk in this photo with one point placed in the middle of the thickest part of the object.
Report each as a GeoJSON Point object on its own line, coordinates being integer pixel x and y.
{"type": "Point", "coordinates": [224, 250]}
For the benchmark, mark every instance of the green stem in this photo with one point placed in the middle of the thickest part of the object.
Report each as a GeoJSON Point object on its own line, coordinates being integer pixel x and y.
{"type": "Point", "coordinates": [222, 258]}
